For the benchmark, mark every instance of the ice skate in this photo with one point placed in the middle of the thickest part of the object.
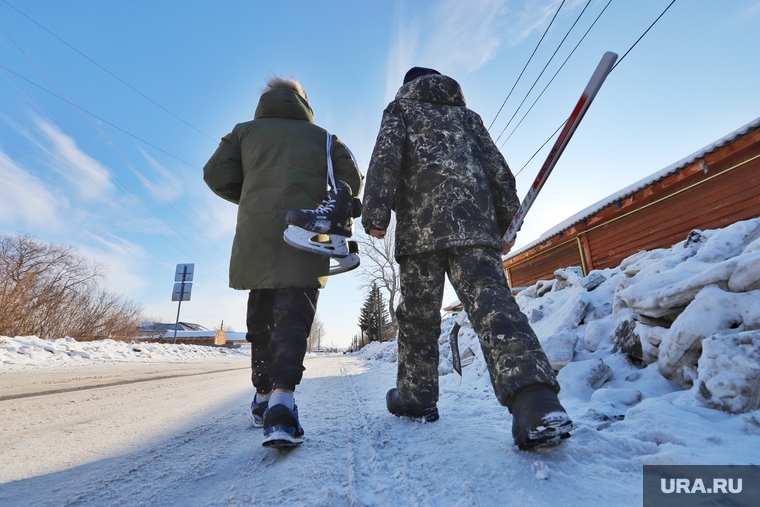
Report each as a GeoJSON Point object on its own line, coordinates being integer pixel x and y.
{"type": "Point", "coordinates": [325, 230]}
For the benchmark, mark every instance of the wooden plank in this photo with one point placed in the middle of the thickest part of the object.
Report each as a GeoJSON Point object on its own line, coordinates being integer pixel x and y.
{"type": "Point", "coordinates": [716, 203]}
{"type": "Point", "coordinates": [543, 267]}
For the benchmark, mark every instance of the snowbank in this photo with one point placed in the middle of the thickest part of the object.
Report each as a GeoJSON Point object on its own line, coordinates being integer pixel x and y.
{"type": "Point", "coordinates": [676, 327]}
{"type": "Point", "coordinates": [24, 352]}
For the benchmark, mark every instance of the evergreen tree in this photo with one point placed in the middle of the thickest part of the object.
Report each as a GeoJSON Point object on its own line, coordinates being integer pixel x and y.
{"type": "Point", "coordinates": [373, 319]}
{"type": "Point", "coordinates": [382, 319]}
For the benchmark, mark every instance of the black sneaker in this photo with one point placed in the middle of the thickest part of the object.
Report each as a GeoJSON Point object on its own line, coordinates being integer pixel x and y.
{"type": "Point", "coordinates": [257, 411]}
{"type": "Point", "coordinates": [399, 407]}
{"type": "Point", "coordinates": [538, 418]}
{"type": "Point", "coordinates": [281, 427]}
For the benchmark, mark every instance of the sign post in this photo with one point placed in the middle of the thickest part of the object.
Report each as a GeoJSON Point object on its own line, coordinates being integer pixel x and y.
{"type": "Point", "coordinates": [183, 275]}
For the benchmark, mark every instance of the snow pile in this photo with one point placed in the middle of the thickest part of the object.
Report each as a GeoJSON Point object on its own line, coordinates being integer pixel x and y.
{"type": "Point", "coordinates": [30, 350]}
{"type": "Point", "coordinates": [379, 351]}
{"type": "Point", "coordinates": [679, 320]}
{"type": "Point", "coordinates": [693, 310]}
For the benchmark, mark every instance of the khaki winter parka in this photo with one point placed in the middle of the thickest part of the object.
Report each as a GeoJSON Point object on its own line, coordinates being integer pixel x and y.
{"type": "Point", "coordinates": [435, 164]}
{"type": "Point", "coordinates": [267, 166]}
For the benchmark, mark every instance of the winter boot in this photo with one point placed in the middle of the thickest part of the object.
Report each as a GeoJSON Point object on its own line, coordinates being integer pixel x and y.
{"type": "Point", "coordinates": [281, 427]}
{"type": "Point", "coordinates": [538, 418]}
{"type": "Point", "coordinates": [333, 217]}
{"type": "Point", "coordinates": [399, 407]}
{"type": "Point", "coordinates": [257, 411]}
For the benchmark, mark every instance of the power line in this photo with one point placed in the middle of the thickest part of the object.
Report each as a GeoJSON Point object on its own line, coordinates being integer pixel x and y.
{"type": "Point", "coordinates": [544, 69]}
{"type": "Point", "coordinates": [613, 68]}
{"type": "Point", "coordinates": [115, 198]}
{"type": "Point", "coordinates": [100, 119]}
{"type": "Point", "coordinates": [109, 72]}
{"type": "Point", "coordinates": [124, 157]}
{"type": "Point", "coordinates": [526, 65]}
{"type": "Point", "coordinates": [554, 76]}
{"type": "Point", "coordinates": [642, 35]}
{"type": "Point", "coordinates": [117, 180]}
{"type": "Point", "coordinates": [540, 148]}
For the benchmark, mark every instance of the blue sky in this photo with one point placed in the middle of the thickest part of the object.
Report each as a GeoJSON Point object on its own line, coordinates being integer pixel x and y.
{"type": "Point", "coordinates": [141, 207]}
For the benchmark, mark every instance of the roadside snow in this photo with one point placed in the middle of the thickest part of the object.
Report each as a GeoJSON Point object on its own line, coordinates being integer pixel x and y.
{"type": "Point", "coordinates": [30, 352]}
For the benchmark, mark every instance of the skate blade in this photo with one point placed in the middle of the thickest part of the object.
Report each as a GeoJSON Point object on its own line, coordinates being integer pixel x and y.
{"type": "Point", "coordinates": [280, 438]}
{"type": "Point", "coordinates": [304, 240]}
{"type": "Point", "coordinates": [343, 265]}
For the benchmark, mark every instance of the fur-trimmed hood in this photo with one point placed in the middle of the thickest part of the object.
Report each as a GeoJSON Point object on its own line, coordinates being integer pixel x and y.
{"type": "Point", "coordinates": [284, 103]}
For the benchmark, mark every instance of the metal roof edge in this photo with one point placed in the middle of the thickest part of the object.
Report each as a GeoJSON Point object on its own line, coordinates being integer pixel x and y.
{"type": "Point", "coordinates": [643, 183]}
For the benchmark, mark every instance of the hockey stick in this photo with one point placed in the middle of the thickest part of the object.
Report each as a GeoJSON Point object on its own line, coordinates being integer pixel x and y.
{"type": "Point", "coordinates": [593, 86]}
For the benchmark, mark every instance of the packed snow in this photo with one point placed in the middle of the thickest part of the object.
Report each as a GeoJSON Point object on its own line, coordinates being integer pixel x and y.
{"type": "Point", "coordinates": [658, 359]}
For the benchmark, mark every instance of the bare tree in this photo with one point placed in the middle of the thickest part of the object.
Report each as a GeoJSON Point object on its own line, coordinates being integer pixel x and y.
{"type": "Point", "coordinates": [379, 266]}
{"type": "Point", "coordinates": [51, 292]}
{"type": "Point", "coordinates": [316, 335]}
{"type": "Point", "coordinates": [224, 327]}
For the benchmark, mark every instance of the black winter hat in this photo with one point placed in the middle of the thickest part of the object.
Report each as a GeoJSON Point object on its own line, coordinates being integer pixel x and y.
{"type": "Point", "coordinates": [416, 72]}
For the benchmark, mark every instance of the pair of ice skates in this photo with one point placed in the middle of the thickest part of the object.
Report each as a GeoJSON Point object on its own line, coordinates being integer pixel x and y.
{"type": "Point", "coordinates": [325, 230]}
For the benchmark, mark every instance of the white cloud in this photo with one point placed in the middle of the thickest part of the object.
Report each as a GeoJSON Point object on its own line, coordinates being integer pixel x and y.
{"type": "Point", "coordinates": [218, 219]}
{"type": "Point", "coordinates": [462, 36]}
{"type": "Point", "coordinates": [166, 184]}
{"type": "Point", "coordinates": [468, 34]}
{"type": "Point", "coordinates": [24, 199]}
{"type": "Point", "coordinates": [403, 51]}
{"type": "Point", "coordinates": [534, 16]}
{"type": "Point", "coordinates": [90, 177]}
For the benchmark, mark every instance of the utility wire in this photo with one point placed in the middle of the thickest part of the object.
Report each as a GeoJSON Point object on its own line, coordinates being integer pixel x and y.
{"type": "Point", "coordinates": [115, 198]}
{"type": "Point", "coordinates": [118, 180]}
{"type": "Point", "coordinates": [543, 70]}
{"type": "Point", "coordinates": [526, 65]}
{"type": "Point", "coordinates": [613, 68]}
{"type": "Point", "coordinates": [642, 35]}
{"type": "Point", "coordinates": [99, 118]}
{"type": "Point", "coordinates": [109, 72]}
{"type": "Point", "coordinates": [540, 148]}
{"type": "Point", "coordinates": [124, 157]}
{"type": "Point", "coordinates": [554, 76]}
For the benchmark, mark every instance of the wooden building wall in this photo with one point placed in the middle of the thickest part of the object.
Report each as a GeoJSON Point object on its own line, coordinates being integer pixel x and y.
{"type": "Point", "coordinates": [717, 190]}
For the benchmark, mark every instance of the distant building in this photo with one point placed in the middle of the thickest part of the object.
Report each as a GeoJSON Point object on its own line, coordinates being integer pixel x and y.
{"type": "Point", "coordinates": [710, 189]}
{"type": "Point", "coordinates": [453, 309]}
{"type": "Point", "coordinates": [160, 327]}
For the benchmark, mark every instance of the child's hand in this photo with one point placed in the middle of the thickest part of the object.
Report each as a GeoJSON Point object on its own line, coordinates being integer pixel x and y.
{"type": "Point", "coordinates": [506, 247]}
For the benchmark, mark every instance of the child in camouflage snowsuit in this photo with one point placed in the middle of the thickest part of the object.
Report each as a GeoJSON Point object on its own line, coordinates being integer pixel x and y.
{"type": "Point", "coordinates": [435, 164]}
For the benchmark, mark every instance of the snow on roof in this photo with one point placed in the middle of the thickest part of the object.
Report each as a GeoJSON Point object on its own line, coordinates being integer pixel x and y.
{"type": "Point", "coordinates": [160, 326]}
{"type": "Point", "coordinates": [641, 184]}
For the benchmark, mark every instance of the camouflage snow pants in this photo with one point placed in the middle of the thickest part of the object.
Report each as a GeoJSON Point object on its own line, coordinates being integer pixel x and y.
{"type": "Point", "coordinates": [512, 352]}
{"type": "Point", "coordinates": [279, 322]}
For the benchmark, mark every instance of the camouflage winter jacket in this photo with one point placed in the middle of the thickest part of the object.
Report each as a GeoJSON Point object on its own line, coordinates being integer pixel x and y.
{"type": "Point", "coordinates": [435, 164]}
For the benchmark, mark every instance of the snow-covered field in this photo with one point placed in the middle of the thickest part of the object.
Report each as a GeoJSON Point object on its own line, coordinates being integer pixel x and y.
{"type": "Point", "coordinates": [690, 314]}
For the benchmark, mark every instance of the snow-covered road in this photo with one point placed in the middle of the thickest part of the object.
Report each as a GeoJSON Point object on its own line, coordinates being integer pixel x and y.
{"type": "Point", "coordinates": [187, 440]}
{"type": "Point", "coordinates": [58, 420]}
{"type": "Point", "coordinates": [179, 434]}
